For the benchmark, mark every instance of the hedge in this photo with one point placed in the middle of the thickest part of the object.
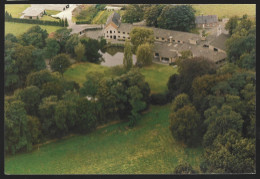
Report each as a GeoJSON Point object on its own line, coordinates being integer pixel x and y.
{"type": "Point", "coordinates": [83, 22]}
{"type": "Point", "coordinates": [36, 21]}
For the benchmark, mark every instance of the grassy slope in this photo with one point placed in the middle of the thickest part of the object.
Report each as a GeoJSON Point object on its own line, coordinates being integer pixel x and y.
{"type": "Point", "coordinates": [19, 28]}
{"type": "Point", "coordinates": [16, 9]}
{"type": "Point", "coordinates": [147, 148]}
{"type": "Point", "coordinates": [226, 10]}
{"type": "Point", "coordinates": [156, 75]}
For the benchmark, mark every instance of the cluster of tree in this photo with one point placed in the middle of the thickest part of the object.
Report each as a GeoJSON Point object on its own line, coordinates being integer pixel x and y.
{"type": "Point", "coordinates": [241, 46]}
{"type": "Point", "coordinates": [121, 97]}
{"type": "Point", "coordinates": [143, 43]}
{"type": "Point", "coordinates": [61, 22]}
{"type": "Point", "coordinates": [178, 17]}
{"type": "Point", "coordinates": [215, 108]}
{"type": "Point", "coordinates": [34, 112]}
{"type": "Point", "coordinates": [50, 106]}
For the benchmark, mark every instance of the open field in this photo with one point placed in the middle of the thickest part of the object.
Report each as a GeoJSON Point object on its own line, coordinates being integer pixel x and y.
{"type": "Point", "coordinates": [20, 28]}
{"type": "Point", "coordinates": [102, 16]}
{"type": "Point", "coordinates": [226, 10]}
{"type": "Point", "coordinates": [16, 9]}
{"type": "Point", "coordinates": [156, 75]}
{"type": "Point", "coordinates": [147, 148]}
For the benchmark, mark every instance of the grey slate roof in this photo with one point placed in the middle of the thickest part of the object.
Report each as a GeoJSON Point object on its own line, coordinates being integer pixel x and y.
{"type": "Point", "coordinates": [115, 18]}
{"type": "Point", "coordinates": [56, 7]}
{"type": "Point", "coordinates": [125, 27]}
{"type": "Point", "coordinates": [219, 41]}
{"type": "Point", "coordinates": [164, 50]}
{"type": "Point", "coordinates": [206, 19]}
{"type": "Point", "coordinates": [32, 11]}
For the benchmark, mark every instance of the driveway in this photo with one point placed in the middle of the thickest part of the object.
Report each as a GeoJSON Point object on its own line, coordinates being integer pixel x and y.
{"type": "Point", "coordinates": [67, 14]}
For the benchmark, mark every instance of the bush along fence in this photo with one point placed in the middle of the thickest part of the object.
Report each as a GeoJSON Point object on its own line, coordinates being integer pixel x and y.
{"type": "Point", "coordinates": [61, 22]}
{"type": "Point", "coordinates": [83, 22]}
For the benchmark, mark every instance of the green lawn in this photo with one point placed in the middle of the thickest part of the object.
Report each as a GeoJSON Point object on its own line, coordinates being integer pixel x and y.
{"type": "Point", "coordinates": [148, 148]}
{"type": "Point", "coordinates": [16, 9]}
{"type": "Point", "coordinates": [226, 10]}
{"type": "Point", "coordinates": [19, 28]}
{"type": "Point", "coordinates": [156, 75]}
{"type": "Point", "coordinates": [102, 16]}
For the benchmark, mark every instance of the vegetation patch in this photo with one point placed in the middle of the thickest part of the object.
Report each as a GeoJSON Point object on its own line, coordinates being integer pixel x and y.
{"type": "Point", "coordinates": [114, 149]}
{"type": "Point", "coordinates": [16, 9]}
{"type": "Point", "coordinates": [20, 28]}
{"type": "Point", "coordinates": [226, 10]}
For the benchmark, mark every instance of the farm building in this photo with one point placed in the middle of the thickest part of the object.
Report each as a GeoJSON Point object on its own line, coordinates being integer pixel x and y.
{"type": "Point", "coordinates": [169, 43]}
{"type": "Point", "coordinates": [112, 8]}
{"type": "Point", "coordinates": [32, 13]}
{"type": "Point", "coordinates": [206, 21]}
{"type": "Point", "coordinates": [55, 7]}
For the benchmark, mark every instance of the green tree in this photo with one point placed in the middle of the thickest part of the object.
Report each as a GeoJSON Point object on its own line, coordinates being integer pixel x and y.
{"type": "Point", "coordinates": [52, 47]}
{"type": "Point", "coordinates": [16, 129]}
{"type": "Point", "coordinates": [230, 153]}
{"type": "Point", "coordinates": [11, 37]}
{"type": "Point", "coordinates": [219, 121]}
{"type": "Point", "coordinates": [92, 47]}
{"type": "Point", "coordinates": [34, 128]}
{"type": "Point", "coordinates": [151, 15]}
{"type": "Point", "coordinates": [231, 24]}
{"type": "Point", "coordinates": [62, 35]}
{"type": "Point", "coordinates": [128, 59]}
{"type": "Point", "coordinates": [60, 63]}
{"type": "Point", "coordinates": [181, 18]}
{"type": "Point", "coordinates": [185, 125]}
{"type": "Point", "coordinates": [133, 13]}
{"type": "Point", "coordinates": [39, 78]}
{"type": "Point", "coordinates": [144, 54]}
{"type": "Point", "coordinates": [39, 63]}
{"type": "Point", "coordinates": [79, 50]}
{"type": "Point", "coordinates": [184, 168]}
{"type": "Point", "coordinates": [34, 36]}
{"type": "Point", "coordinates": [71, 43]}
{"type": "Point", "coordinates": [141, 36]}
{"type": "Point", "coordinates": [91, 85]}
{"type": "Point", "coordinates": [46, 116]}
{"type": "Point", "coordinates": [31, 97]}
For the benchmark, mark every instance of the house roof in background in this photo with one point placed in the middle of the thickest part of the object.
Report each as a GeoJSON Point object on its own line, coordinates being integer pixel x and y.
{"type": "Point", "coordinates": [206, 19]}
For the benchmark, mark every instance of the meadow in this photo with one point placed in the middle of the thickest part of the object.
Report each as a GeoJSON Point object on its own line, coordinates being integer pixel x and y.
{"type": "Point", "coordinates": [225, 10]}
{"type": "Point", "coordinates": [16, 9]}
{"type": "Point", "coordinates": [20, 28]}
{"type": "Point", "coordinates": [147, 148]}
{"type": "Point", "coordinates": [156, 75]}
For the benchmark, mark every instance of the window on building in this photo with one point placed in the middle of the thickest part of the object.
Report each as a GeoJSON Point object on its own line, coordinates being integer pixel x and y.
{"type": "Point", "coordinates": [162, 38]}
{"type": "Point", "coordinates": [107, 31]}
{"type": "Point", "coordinates": [114, 31]}
{"type": "Point", "coordinates": [179, 41]}
{"type": "Point", "coordinates": [124, 37]}
{"type": "Point", "coordinates": [205, 46]}
{"type": "Point", "coordinates": [127, 32]}
{"type": "Point", "coordinates": [123, 32]}
{"type": "Point", "coordinates": [118, 31]}
{"type": "Point", "coordinates": [128, 37]}
{"type": "Point", "coordinates": [110, 31]}
{"type": "Point", "coordinates": [215, 49]}
{"type": "Point", "coordinates": [157, 37]}
{"type": "Point", "coordinates": [118, 36]}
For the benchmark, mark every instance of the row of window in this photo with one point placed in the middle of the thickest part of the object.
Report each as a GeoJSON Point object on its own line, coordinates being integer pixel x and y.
{"type": "Point", "coordinates": [169, 40]}
{"type": "Point", "coordinates": [118, 32]}
{"type": "Point", "coordinates": [117, 36]}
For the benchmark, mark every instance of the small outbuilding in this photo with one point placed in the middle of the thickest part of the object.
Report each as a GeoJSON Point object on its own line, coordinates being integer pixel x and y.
{"type": "Point", "coordinates": [33, 13]}
{"type": "Point", "coordinates": [206, 21]}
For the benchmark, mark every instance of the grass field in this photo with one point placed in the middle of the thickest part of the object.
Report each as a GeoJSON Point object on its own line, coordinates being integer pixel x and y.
{"type": "Point", "coordinates": [156, 75]}
{"type": "Point", "coordinates": [147, 148]}
{"type": "Point", "coordinates": [226, 10]}
{"type": "Point", "coordinates": [20, 28]}
{"type": "Point", "coordinates": [16, 9]}
{"type": "Point", "coordinates": [102, 16]}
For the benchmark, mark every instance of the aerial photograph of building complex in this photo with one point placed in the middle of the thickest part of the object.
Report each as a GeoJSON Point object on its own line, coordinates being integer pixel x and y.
{"type": "Point", "coordinates": [129, 89]}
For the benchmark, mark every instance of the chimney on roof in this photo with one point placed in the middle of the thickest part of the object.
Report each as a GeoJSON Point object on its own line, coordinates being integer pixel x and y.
{"type": "Point", "coordinates": [170, 39]}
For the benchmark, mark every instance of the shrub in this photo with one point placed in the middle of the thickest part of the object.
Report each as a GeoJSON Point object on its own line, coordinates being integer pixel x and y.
{"type": "Point", "coordinates": [159, 99]}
